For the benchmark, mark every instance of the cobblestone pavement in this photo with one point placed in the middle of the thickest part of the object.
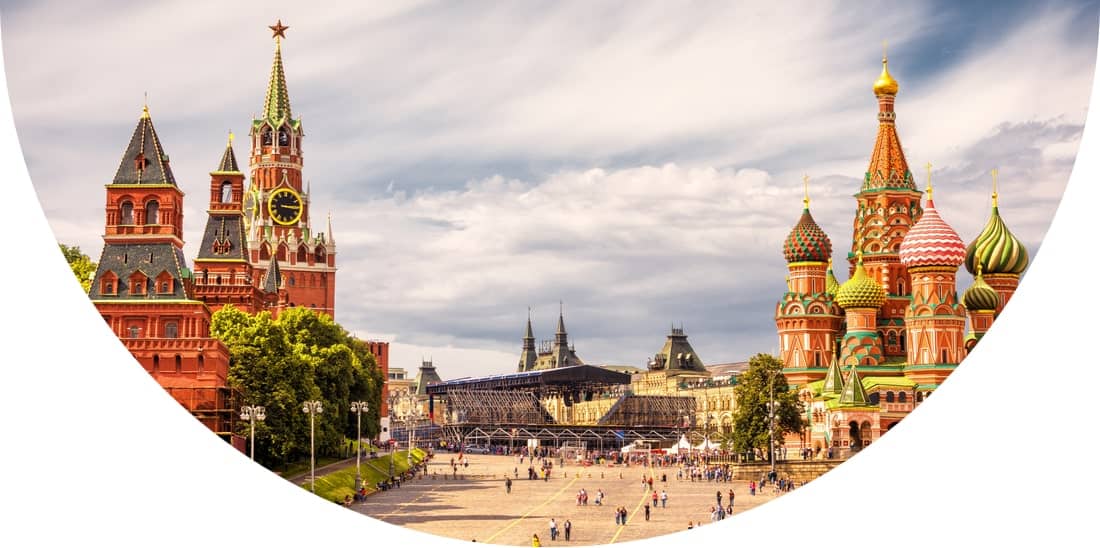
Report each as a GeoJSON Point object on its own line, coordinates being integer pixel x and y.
{"type": "Point", "coordinates": [476, 507]}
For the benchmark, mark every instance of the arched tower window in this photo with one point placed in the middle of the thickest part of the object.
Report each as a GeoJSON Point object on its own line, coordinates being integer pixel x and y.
{"type": "Point", "coordinates": [156, 363]}
{"type": "Point", "coordinates": [889, 397]}
{"type": "Point", "coordinates": [284, 137]}
{"type": "Point", "coordinates": [265, 252]}
{"type": "Point", "coordinates": [873, 398]}
{"type": "Point", "coordinates": [126, 213]}
{"type": "Point", "coordinates": [902, 398]}
{"type": "Point", "coordinates": [179, 364]}
{"type": "Point", "coordinates": [901, 287]}
{"type": "Point", "coordinates": [227, 192]}
{"type": "Point", "coordinates": [202, 363]}
{"type": "Point", "coordinates": [171, 330]}
{"type": "Point", "coordinates": [152, 213]}
{"type": "Point", "coordinates": [302, 254]}
{"type": "Point", "coordinates": [901, 340]}
{"type": "Point", "coordinates": [265, 136]}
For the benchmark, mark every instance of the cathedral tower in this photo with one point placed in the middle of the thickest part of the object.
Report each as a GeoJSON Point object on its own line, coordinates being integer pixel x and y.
{"type": "Point", "coordinates": [935, 321]}
{"type": "Point", "coordinates": [529, 355]}
{"type": "Point", "coordinates": [276, 207]}
{"type": "Point", "coordinates": [861, 297]}
{"type": "Point", "coordinates": [1001, 257]}
{"type": "Point", "coordinates": [886, 206]}
{"type": "Point", "coordinates": [807, 319]}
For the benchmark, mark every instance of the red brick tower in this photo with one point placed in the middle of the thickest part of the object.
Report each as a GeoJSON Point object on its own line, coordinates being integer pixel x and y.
{"type": "Point", "coordinates": [223, 274]}
{"type": "Point", "coordinates": [887, 205]}
{"type": "Point", "coordinates": [144, 289]}
{"type": "Point", "coordinates": [276, 209]}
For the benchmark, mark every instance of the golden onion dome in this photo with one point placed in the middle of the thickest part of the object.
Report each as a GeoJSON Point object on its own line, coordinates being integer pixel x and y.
{"type": "Point", "coordinates": [860, 291]}
{"type": "Point", "coordinates": [885, 85]}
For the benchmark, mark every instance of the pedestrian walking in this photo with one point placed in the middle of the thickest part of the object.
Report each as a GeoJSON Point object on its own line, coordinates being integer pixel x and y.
{"type": "Point", "coordinates": [622, 512]}
{"type": "Point", "coordinates": [507, 485]}
{"type": "Point", "coordinates": [535, 541]}
{"type": "Point", "coordinates": [553, 529]}
{"type": "Point", "coordinates": [664, 498]}
{"type": "Point", "coordinates": [655, 499]}
{"type": "Point", "coordinates": [647, 511]}
{"type": "Point", "coordinates": [568, 529]}
{"type": "Point", "coordinates": [719, 496]}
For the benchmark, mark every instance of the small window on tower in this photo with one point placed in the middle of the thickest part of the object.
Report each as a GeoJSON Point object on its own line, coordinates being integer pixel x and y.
{"type": "Point", "coordinates": [265, 137]}
{"type": "Point", "coordinates": [164, 287]}
{"type": "Point", "coordinates": [227, 192]}
{"type": "Point", "coordinates": [171, 330]}
{"type": "Point", "coordinates": [134, 331]}
{"type": "Point", "coordinates": [284, 138]}
{"type": "Point", "coordinates": [152, 213]}
{"type": "Point", "coordinates": [126, 213]}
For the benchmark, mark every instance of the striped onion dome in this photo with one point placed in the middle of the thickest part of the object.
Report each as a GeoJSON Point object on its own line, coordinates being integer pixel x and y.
{"type": "Point", "coordinates": [831, 285]}
{"type": "Point", "coordinates": [932, 242]}
{"type": "Point", "coordinates": [980, 296]}
{"type": "Point", "coordinates": [807, 242]}
{"type": "Point", "coordinates": [996, 250]}
{"type": "Point", "coordinates": [861, 290]}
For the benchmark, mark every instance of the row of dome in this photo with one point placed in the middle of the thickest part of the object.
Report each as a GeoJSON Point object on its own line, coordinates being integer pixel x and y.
{"type": "Point", "coordinates": [931, 242]}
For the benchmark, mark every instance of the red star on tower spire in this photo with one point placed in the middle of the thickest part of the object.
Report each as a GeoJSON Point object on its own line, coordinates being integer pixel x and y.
{"type": "Point", "coordinates": [278, 29]}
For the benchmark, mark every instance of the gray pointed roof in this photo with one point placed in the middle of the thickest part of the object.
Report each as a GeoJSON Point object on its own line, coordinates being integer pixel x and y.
{"type": "Point", "coordinates": [144, 161]}
{"type": "Point", "coordinates": [426, 376]}
{"type": "Point", "coordinates": [229, 160]}
{"type": "Point", "coordinates": [274, 278]}
{"type": "Point", "coordinates": [678, 354]}
{"type": "Point", "coordinates": [224, 228]}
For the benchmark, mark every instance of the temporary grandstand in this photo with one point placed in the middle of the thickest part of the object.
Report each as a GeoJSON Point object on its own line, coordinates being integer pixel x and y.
{"type": "Point", "coordinates": [575, 405]}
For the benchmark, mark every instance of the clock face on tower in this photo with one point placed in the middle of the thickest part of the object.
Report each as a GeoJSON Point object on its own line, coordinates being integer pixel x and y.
{"type": "Point", "coordinates": [285, 206]}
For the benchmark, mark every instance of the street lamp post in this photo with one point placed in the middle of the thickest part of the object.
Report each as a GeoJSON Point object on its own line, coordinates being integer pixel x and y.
{"type": "Point", "coordinates": [252, 413]}
{"type": "Point", "coordinates": [414, 419]}
{"type": "Point", "coordinates": [312, 407]}
{"type": "Point", "coordinates": [358, 407]}
{"type": "Point", "coordinates": [771, 421]}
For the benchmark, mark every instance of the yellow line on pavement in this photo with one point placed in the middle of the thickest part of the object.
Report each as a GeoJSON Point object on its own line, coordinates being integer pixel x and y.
{"type": "Point", "coordinates": [646, 496]}
{"type": "Point", "coordinates": [524, 516]}
{"type": "Point", "coordinates": [403, 506]}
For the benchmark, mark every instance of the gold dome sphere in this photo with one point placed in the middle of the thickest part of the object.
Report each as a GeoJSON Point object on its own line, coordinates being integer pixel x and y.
{"type": "Point", "coordinates": [885, 85]}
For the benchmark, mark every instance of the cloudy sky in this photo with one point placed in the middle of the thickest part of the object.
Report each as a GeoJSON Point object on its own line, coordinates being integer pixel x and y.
{"type": "Point", "coordinates": [640, 162]}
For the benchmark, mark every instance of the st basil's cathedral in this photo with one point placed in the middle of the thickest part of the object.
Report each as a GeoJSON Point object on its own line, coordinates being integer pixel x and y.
{"type": "Point", "coordinates": [865, 353]}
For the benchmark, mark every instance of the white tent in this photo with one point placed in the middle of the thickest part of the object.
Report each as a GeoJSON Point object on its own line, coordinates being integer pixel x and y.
{"type": "Point", "coordinates": [682, 445]}
{"type": "Point", "coordinates": [707, 445]}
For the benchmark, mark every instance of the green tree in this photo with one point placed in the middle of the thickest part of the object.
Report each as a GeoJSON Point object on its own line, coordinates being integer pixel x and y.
{"type": "Point", "coordinates": [300, 356]}
{"type": "Point", "coordinates": [751, 421]}
{"type": "Point", "coordinates": [82, 266]}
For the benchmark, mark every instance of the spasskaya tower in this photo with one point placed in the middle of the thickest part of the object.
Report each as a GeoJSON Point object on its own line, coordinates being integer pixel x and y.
{"type": "Point", "coordinates": [277, 208]}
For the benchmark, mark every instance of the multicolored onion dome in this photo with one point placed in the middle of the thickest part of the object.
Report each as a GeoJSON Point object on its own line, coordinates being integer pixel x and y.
{"type": "Point", "coordinates": [980, 296]}
{"type": "Point", "coordinates": [996, 250]}
{"type": "Point", "coordinates": [932, 242]}
{"type": "Point", "coordinates": [807, 242]}
{"type": "Point", "coordinates": [885, 85]}
{"type": "Point", "coordinates": [860, 291]}
{"type": "Point", "coordinates": [831, 285]}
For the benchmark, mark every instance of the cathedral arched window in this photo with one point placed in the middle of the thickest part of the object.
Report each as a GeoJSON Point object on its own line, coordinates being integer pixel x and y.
{"type": "Point", "coordinates": [902, 398]}
{"type": "Point", "coordinates": [152, 213]}
{"type": "Point", "coordinates": [943, 356]}
{"type": "Point", "coordinates": [901, 287]}
{"type": "Point", "coordinates": [156, 363]}
{"type": "Point", "coordinates": [901, 340]}
{"type": "Point", "coordinates": [319, 256]}
{"type": "Point", "coordinates": [202, 363]}
{"type": "Point", "coordinates": [265, 136]}
{"type": "Point", "coordinates": [265, 252]}
{"type": "Point", "coordinates": [873, 398]}
{"type": "Point", "coordinates": [227, 192]}
{"type": "Point", "coordinates": [126, 213]}
{"type": "Point", "coordinates": [892, 338]}
{"type": "Point", "coordinates": [889, 397]}
{"type": "Point", "coordinates": [302, 254]}
{"type": "Point", "coordinates": [281, 254]}
{"type": "Point", "coordinates": [920, 397]}
{"type": "Point", "coordinates": [284, 138]}
{"type": "Point", "coordinates": [179, 364]}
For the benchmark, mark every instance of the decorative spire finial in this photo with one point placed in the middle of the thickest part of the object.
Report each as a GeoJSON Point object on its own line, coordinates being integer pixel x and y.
{"type": "Point", "coordinates": [979, 274]}
{"type": "Point", "coordinates": [884, 52]}
{"type": "Point", "coordinates": [806, 191]}
{"type": "Point", "coordinates": [230, 138]}
{"type": "Point", "coordinates": [278, 30]}
{"type": "Point", "coordinates": [994, 187]}
{"type": "Point", "coordinates": [928, 166]}
{"type": "Point", "coordinates": [145, 106]}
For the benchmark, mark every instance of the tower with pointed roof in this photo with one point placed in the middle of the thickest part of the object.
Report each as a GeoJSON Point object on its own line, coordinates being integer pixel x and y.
{"type": "Point", "coordinates": [223, 273]}
{"type": "Point", "coordinates": [887, 205]}
{"type": "Point", "coordinates": [806, 317]}
{"type": "Point", "coordinates": [551, 354]}
{"type": "Point", "coordinates": [935, 320]}
{"type": "Point", "coordinates": [529, 355]}
{"type": "Point", "coordinates": [145, 291]}
{"type": "Point", "coordinates": [277, 207]}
